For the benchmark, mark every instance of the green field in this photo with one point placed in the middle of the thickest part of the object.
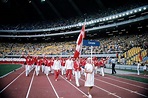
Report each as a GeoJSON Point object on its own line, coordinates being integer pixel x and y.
{"type": "Point", "coordinates": [6, 68]}
{"type": "Point", "coordinates": [139, 79]}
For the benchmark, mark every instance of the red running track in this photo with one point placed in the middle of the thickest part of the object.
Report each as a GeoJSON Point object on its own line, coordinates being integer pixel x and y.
{"type": "Point", "coordinates": [17, 85]}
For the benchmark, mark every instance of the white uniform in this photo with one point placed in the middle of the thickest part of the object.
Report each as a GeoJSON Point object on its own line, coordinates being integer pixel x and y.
{"type": "Point", "coordinates": [89, 78]}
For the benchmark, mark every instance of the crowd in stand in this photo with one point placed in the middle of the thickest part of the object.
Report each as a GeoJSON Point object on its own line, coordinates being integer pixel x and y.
{"type": "Point", "coordinates": [110, 45]}
{"type": "Point", "coordinates": [74, 20]}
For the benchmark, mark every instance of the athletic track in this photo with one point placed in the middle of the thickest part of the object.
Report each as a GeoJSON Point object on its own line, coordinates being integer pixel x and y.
{"type": "Point", "coordinates": [17, 85]}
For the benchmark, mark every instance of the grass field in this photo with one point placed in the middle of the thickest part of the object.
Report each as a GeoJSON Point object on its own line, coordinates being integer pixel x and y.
{"type": "Point", "coordinates": [144, 80]}
{"type": "Point", "coordinates": [6, 68]}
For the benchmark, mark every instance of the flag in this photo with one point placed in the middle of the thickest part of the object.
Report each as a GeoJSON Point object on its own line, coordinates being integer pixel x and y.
{"type": "Point", "coordinates": [79, 42]}
{"type": "Point", "coordinates": [140, 56]}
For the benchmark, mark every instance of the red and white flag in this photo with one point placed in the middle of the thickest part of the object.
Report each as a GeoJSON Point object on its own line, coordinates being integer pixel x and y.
{"type": "Point", "coordinates": [79, 42]}
{"type": "Point", "coordinates": [140, 56]}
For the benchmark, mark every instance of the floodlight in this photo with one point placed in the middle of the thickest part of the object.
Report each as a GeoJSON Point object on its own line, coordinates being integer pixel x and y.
{"type": "Point", "coordinates": [135, 11]}
{"type": "Point", "coordinates": [131, 12]}
{"type": "Point", "coordinates": [120, 15]}
{"type": "Point", "coordinates": [139, 9]}
{"type": "Point", "coordinates": [144, 8]}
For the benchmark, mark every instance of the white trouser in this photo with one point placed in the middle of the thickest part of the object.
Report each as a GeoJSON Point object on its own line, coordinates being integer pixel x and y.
{"type": "Point", "coordinates": [63, 70]}
{"type": "Point", "coordinates": [37, 69]}
{"type": "Point", "coordinates": [77, 77]}
{"type": "Point", "coordinates": [33, 66]}
{"type": "Point", "coordinates": [43, 68]}
{"type": "Point", "coordinates": [52, 70]}
{"type": "Point", "coordinates": [48, 69]}
{"type": "Point", "coordinates": [27, 69]}
{"type": "Point", "coordinates": [102, 71]}
{"type": "Point", "coordinates": [82, 71]}
{"type": "Point", "coordinates": [96, 69]}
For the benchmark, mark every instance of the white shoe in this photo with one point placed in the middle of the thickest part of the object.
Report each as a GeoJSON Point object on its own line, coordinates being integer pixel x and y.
{"type": "Point", "coordinates": [89, 96]}
{"type": "Point", "coordinates": [78, 85]}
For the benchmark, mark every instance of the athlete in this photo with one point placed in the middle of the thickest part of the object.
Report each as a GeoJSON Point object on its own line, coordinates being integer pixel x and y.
{"type": "Point", "coordinates": [77, 70]}
{"type": "Point", "coordinates": [69, 67]}
{"type": "Point", "coordinates": [89, 77]}
{"type": "Point", "coordinates": [57, 68]}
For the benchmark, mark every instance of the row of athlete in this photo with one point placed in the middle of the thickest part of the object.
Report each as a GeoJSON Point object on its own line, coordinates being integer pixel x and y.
{"type": "Point", "coordinates": [66, 66]}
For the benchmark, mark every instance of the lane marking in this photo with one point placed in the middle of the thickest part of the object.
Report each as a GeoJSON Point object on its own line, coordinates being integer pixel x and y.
{"type": "Point", "coordinates": [127, 83]}
{"type": "Point", "coordinates": [75, 86]}
{"type": "Point", "coordinates": [53, 87]}
{"type": "Point", "coordinates": [122, 88]}
{"type": "Point", "coordinates": [11, 82]}
{"type": "Point", "coordinates": [114, 94]}
{"type": "Point", "coordinates": [30, 85]}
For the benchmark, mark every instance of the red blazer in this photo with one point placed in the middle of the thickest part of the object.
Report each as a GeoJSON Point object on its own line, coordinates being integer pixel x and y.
{"type": "Point", "coordinates": [77, 66]}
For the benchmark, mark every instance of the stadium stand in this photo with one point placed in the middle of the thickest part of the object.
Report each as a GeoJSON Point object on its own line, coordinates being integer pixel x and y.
{"type": "Point", "coordinates": [58, 37]}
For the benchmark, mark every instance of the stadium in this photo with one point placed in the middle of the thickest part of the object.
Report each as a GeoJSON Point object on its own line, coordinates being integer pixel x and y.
{"type": "Point", "coordinates": [34, 33]}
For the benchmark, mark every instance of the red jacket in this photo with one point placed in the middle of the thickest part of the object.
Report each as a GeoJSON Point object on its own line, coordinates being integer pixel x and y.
{"type": "Point", "coordinates": [77, 66]}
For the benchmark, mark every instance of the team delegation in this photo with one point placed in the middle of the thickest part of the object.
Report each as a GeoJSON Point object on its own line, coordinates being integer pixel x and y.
{"type": "Point", "coordinates": [65, 66]}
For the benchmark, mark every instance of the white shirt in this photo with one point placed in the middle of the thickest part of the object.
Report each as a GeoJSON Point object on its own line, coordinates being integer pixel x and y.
{"type": "Point", "coordinates": [56, 64]}
{"type": "Point", "coordinates": [113, 61]}
{"type": "Point", "coordinates": [89, 76]}
{"type": "Point", "coordinates": [69, 64]}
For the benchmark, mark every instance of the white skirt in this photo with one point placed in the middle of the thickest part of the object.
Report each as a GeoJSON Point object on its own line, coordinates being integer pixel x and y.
{"type": "Point", "coordinates": [89, 80]}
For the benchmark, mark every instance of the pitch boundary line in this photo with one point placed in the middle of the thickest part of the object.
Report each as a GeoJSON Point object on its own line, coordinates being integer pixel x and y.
{"type": "Point", "coordinates": [11, 82]}
{"type": "Point", "coordinates": [139, 76]}
{"type": "Point", "coordinates": [129, 80]}
{"type": "Point", "coordinates": [30, 85]}
{"type": "Point", "coordinates": [122, 88]}
{"type": "Point", "coordinates": [53, 87]}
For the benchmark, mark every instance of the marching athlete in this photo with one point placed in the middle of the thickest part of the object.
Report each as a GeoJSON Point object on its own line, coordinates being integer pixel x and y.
{"type": "Point", "coordinates": [69, 67]}
{"type": "Point", "coordinates": [57, 68]}
{"type": "Point", "coordinates": [102, 64]}
{"type": "Point", "coordinates": [27, 65]}
{"type": "Point", "coordinates": [96, 64]}
{"type": "Point", "coordinates": [48, 67]}
{"type": "Point", "coordinates": [38, 66]}
{"type": "Point", "coordinates": [77, 70]}
{"type": "Point", "coordinates": [82, 64]}
{"type": "Point", "coordinates": [63, 66]}
{"type": "Point", "coordinates": [89, 77]}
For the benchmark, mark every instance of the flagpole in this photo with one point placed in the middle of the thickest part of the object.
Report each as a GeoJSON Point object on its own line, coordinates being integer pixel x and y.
{"type": "Point", "coordinates": [91, 53]}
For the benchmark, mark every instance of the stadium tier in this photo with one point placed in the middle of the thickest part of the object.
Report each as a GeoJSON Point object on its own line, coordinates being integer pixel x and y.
{"type": "Point", "coordinates": [121, 31]}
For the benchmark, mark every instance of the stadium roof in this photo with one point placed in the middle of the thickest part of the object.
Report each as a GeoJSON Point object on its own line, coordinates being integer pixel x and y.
{"type": "Point", "coordinates": [27, 10]}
